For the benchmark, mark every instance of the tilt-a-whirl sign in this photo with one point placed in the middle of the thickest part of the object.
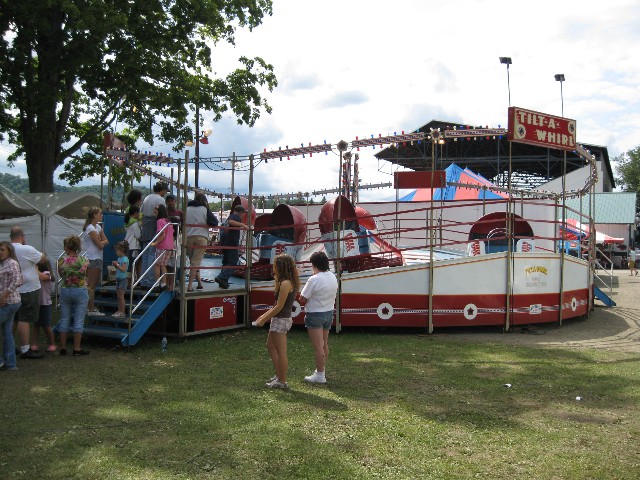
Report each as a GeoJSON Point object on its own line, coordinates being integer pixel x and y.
{"type": "Point", "coordinates": [535, 128]}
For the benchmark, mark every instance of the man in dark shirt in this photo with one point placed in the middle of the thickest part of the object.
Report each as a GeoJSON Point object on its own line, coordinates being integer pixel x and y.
{"type": "Point", "coordinates": [175, 215]}
{"type": "Point", "coordinates": [230, 240]}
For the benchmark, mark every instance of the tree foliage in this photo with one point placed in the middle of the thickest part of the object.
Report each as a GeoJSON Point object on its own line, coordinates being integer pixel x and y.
{"type": "Point", "coordinates": [70, 68]}
{"type": "Point", "coordinates": [90, 161]}
{"type": "Point", "coordinates": [14, 183]}
{"type": "Point", "coordinates": [628, 170]}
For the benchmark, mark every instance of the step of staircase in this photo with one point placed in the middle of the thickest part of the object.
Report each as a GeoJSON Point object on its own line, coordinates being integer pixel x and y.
{"type": "Point", "coordinates": [111, 332]}
{"type": "Point", "coordinates": [145, 315]}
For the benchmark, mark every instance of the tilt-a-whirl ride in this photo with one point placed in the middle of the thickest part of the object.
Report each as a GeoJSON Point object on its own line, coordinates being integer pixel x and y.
{"type": "Point", "coordinates": [495, 258]}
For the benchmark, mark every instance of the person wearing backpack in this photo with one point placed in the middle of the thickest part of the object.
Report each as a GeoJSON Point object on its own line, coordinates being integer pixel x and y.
{"type": "Point", "coordinates": [197, 222]}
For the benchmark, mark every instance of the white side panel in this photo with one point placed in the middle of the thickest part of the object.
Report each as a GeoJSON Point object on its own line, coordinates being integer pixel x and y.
{"type": "Point", "coordinates": [532, 274]}
{"type": "Point", "coordinates": [57, 229]}
{"type": "Point", "coordinates": [31, 227]}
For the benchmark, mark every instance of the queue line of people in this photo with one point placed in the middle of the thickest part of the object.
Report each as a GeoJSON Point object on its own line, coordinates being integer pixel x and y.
{"type": "Point", "coordinates": [26, 281]}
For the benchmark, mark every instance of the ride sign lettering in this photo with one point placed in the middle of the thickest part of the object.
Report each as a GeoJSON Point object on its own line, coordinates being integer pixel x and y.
{"type": "Point", "coordinates": [535, 128]}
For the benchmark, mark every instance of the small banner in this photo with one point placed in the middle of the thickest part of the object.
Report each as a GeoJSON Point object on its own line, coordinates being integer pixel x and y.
{"type": "Point", "coordinates": [292, 152]}
{"type": "Point", "coordinates": [474, 132]}
{"type": "Point", "coordinates": [436, 179]}
{"type": "Point", "coordinates": [405, 137]}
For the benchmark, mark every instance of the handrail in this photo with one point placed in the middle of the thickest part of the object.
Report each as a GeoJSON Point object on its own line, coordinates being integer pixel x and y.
{"type": "Point", "coordinates": [136, 281]}
{"type": "Point", "coordinates": [597, 265]}
{"type": "Point", "coordinates": [454, 233]}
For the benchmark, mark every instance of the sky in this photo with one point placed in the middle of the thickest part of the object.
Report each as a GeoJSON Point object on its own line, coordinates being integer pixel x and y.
{"type": "Point", "coordinates": [358, 68]}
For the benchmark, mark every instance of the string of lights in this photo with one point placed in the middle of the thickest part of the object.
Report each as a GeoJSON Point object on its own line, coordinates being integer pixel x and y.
{"type": "Point", "coordinates": [455, 133]}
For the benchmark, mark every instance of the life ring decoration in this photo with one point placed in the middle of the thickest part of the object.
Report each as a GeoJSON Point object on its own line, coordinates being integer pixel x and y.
{"type": "Point", "coordinates": [470, 311]}
{"type": "Point", "coordinates": [385, 311]}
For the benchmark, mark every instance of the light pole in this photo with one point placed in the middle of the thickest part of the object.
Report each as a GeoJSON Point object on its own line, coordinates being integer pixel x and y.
{"type": "Point", "coordinates": [198, 140]}
{"type": "Point", "coordinates": [560, 78]}
{"type": "Point", "coordinates": [196, 176]}
{"type": "Point", "coordinates": [507, 61]}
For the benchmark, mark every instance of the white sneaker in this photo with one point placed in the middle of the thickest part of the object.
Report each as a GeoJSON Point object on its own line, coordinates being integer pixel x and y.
{"type": "Point", "coordinates": [278, 384]}
{"type": "Point", "coordinates": [118, 315]}
{"type": "Point", "coordinates": [316, 377]}
{"type": "Point", "coordinates": [95, 313]}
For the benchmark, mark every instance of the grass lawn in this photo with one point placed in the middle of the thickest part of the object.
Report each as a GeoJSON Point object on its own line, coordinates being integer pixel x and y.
{"type": "Point", "coordinates": [397, 405]}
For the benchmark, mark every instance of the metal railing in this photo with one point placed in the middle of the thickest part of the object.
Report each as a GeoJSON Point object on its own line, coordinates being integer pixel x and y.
{"type": "Point", "coordinates": [136, 281]}
{"type": "Point", "coordinates": [598, 266]}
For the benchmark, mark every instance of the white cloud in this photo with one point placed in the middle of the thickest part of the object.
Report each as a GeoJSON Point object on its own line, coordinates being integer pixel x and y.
{"type": "Point", "coordinates": [369, 67]}
{"type": "Point", "coordinates": [344, 99]}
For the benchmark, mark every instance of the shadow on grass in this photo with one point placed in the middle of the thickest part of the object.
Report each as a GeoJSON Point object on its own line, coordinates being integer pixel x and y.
{"type": "Point", "coordinates": [201, 409]}
{"type": "Point", "coordinates": [315, 401]}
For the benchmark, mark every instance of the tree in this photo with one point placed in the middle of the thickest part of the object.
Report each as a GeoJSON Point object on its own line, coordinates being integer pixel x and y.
{"type": "Point", "coordinates": [628, 178]}
{"type": "Point", "coordinates": [70, 68]}
{"type": "Point", "coordinates": [90, 162]}
{"type": "Point", "coordinates": [14, 183]}
{"type": "Point", "coordinates": [628, 170]}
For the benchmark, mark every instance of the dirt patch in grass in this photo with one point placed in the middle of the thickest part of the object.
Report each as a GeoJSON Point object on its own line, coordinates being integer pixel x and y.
{"type": "Point", "coordinates": [606, 328]}
{"type": "Point", "coordinates": [583, 418]}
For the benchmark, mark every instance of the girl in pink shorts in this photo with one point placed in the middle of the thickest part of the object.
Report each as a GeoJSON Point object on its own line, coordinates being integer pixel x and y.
{"type": "Point", "coordinates": [286, 288]}
{"type": "Point", "coordinates": [164, 246]}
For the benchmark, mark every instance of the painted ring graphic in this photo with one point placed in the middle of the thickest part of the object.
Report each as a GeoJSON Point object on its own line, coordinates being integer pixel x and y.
{"type": "Point", "coordinates": [470, 311]}
{"type": "Point", "coordinates": [574, 304]}
{"type": "Point", "coordinates": [385, 311]}
{"type": "Point", "coordinates": [295, 309]}
{"type": "Point", "coordinates": [520, 131]}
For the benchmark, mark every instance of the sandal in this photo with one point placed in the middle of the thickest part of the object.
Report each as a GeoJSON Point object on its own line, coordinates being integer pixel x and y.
{"type": "Point", "coordinates": [189, 289]}
{"type": "Point", "coordinates": [199, 287]}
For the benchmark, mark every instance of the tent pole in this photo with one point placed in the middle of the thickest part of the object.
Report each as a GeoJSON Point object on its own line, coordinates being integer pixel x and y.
{"type": "Point", "coordinates": [507, 323]}
{"type": "Point", "coordinates": [182, 322]}
{"type": "Point", "coordinates": [431, 233]}
{"type": "Point", "coordinates": [249, 246]}
{"type": "Point", "coordinates": [564, 229]}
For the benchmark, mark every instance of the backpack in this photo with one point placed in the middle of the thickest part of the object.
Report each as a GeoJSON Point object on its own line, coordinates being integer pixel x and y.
{"type": "Point", "coordinates": [222, 233]}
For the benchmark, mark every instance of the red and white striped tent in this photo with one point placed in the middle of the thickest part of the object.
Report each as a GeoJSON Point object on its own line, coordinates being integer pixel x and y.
{"type": "Point", "coordinates": [461, 177]}
{"type": "Point", "coordinates": [576, 230]}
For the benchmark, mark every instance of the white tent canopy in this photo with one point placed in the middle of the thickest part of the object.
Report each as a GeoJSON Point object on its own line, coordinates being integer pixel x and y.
{"type": "Point", "coordinates": [65, 204]}
{"type": "Point", "coordinates": [46, 218]}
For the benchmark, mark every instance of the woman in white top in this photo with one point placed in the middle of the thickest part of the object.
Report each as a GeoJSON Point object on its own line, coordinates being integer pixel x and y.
{"type": "Point", "coordinates": [198, 220]}
{"type": "Point", "coordinates": [319, 297]}
{"type": "Point", "coordinates": [93, 242]}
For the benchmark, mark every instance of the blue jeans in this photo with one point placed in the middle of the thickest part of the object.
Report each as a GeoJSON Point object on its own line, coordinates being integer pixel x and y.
{"type": "Point", "coordinates": [147, 259]}
{"type": "Point", "coordinates": [73, 301]}
{"type": "Point", "coordinates": [319, 320]}
{"type": "Point", "coordinates": [7, 312]}
{"type": "Point", "coordinates": [229, 259]}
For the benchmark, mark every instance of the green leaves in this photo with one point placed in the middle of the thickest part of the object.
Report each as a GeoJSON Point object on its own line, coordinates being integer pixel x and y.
{"type": "Point", "coordinates": [628, 170]}
{"type": "Point", "coordinates": [69, 69]}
